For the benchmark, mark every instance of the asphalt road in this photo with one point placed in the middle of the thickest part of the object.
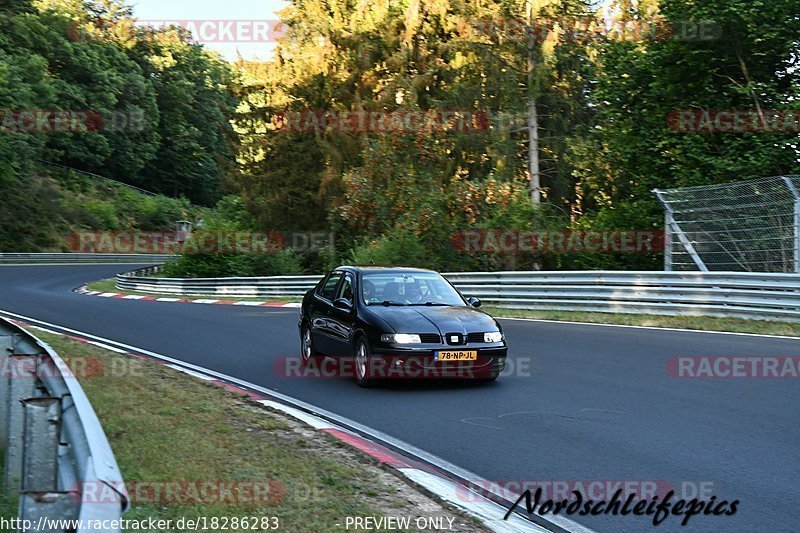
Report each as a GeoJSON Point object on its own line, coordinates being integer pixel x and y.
{"type": "Point", "coordinates": [598, 406]}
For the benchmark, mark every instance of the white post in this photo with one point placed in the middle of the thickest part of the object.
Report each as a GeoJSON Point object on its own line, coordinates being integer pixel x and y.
{"type": "Point", "coordinates": [674, 226]}
{"type": "Point", "coordinates": [796, 196]}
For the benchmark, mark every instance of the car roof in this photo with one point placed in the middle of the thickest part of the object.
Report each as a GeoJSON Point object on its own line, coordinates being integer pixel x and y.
{"type": "Point", "coordinates": [373, 268]}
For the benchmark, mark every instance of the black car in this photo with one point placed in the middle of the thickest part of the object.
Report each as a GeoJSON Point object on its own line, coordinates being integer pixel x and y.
{"type": "Point", "coordinates": [399, 322]}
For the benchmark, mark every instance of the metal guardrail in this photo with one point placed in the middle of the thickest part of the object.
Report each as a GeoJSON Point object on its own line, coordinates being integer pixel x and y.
{"type": "Point", "coordinates": [726, 294]}
{"type": "Point", "coordinates": [13, 258]}
{"type": "Point", "coordinates": [266, 287]}
{"type": "Point", "coordinates": [55, 449]}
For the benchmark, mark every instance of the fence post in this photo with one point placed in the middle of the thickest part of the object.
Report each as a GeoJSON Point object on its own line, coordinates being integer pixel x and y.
{"type": "Point", "coordinates": [667, 241]}
{"type": "Point", "coordinates": [796, 222]}
{"type": "Point", "coordinates": [675, 227]}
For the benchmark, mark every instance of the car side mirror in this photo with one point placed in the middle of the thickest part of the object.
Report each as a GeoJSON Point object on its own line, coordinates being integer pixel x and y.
{"type": "Point", "coordinates": [343, 304]}
{"type": "Point", "coordinates": [474, 302]}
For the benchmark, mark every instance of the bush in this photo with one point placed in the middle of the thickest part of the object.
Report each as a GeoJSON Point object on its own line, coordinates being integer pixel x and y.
{"type": "Point", "coordinates": [400, 248]}
{"type": "Point", "coordinates": [283, 263]}
{"type": "Point", "coordinates": [40, 209]}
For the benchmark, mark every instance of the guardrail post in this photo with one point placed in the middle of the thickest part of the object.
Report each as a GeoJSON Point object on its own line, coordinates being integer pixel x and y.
{"type": "Point", "coordinates": [40, 451]}
{"type": "Point", "coordinates": [49, 505]}
{"type": "Point", "coordinates": [55, 443]}
{"type": "Point", "coordinates": [21, 370]}
{"type": "Point", "coordinates": [40, 464]}
{"type": "Point", "coordinates": [6, 348]}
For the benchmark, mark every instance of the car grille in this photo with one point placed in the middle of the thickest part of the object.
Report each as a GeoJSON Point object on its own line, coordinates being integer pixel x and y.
{"type": "Point", "coordinates": [430, 338]}
{"type": "Point", "coordinates": [474, 337]}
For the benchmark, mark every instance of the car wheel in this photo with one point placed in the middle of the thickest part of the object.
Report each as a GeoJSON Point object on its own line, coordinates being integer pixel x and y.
{"type": "Point", "coordinates": [307, 347]}
{"type": "Point", "coordinates": [363, 360]}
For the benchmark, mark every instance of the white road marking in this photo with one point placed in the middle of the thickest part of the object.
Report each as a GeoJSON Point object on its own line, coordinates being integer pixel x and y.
{"type": "Point", "coordinates": [486, 510]}
{"type": "Point", "coordinates": [649, 327]}
{"type": "Point", "coordinates": [190, 372]}
{"type": "Point", "coordinates": [106, 346]}
{"type": "Point", "coordinates": [311, 420]}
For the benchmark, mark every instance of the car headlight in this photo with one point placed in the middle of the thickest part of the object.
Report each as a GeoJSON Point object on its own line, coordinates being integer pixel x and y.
{"type": "Point", "coordinates": [492, 336]}
{"type": "Point", "coordinates": [400, 338]}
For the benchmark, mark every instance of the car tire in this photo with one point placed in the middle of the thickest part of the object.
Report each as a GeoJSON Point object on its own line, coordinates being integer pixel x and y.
{"type": "Point", "coordinates": [362, 359]}
{"type": "Point", "coordinates": [307, 353]}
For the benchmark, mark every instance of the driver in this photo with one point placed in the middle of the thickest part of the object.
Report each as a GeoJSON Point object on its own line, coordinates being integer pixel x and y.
{"type": "Point", "coordinates": [368, 290]}
{"type": "Point", "coordinates": [413, 293]}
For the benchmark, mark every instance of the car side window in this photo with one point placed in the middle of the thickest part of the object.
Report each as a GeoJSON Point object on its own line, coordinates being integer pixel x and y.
{"type": "Point", "coordinates": [346, 290]}
{"type": "Point", "coordinates": [329, 286]}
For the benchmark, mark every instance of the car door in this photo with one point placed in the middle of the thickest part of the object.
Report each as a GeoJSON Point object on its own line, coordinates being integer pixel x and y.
{"type": "Point", "coordinates": [321, 313]}
{"type": "Point", "coordinates": [342, 321]}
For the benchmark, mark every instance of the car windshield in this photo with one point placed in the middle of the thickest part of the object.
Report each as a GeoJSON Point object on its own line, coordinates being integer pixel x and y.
{"type": "Point", "coordinates": [408, 288]}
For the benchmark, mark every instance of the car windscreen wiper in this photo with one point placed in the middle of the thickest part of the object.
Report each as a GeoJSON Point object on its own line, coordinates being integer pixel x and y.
{"type": "Point", "coordinates": [432, 303]}
{"type": "Point", "coordinates": [387, 303]}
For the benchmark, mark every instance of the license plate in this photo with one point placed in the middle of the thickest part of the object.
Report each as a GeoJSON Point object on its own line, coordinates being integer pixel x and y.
{"type": "Point", "coordinates": [457, 355]}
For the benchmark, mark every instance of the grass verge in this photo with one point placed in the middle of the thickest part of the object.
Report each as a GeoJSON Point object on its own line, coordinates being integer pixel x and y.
{"type": "Point", "coordinates": [736, 325]}
{"type": "Point", "coordinates": [165, 426]}
{"type": "Point", "coordinates": [109, 285]}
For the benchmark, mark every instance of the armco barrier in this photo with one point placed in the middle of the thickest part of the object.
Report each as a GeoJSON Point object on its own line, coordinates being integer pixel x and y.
{"type": "Point", "coordinates": [727, 294]}
{"type": "Point", "coordinates": [266, 287]}
{"type": "Point", "coordinates": [724, 294]}
{"type": "Point", "coordinates": [53, 443]}
{"type": "Point", "coordinates": [13, 258]}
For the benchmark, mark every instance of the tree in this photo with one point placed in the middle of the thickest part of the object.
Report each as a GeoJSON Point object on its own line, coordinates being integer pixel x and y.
{"type": "Point", "coordinates": [195, 101]}
{"type": "Point", "coordinates": [745, 65]}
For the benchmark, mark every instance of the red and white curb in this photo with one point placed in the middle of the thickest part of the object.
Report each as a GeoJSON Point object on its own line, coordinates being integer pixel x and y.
{"type": "Point", "coordinates": [434, 479]}
{"type": "Point", "coordinates": [126, 296]}
{"type": "Point", "coordinates": [421, 474]}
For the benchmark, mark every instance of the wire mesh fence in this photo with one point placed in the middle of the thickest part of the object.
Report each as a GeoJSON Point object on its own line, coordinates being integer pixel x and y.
{"type": "Point", "coordinates": [749, 226]}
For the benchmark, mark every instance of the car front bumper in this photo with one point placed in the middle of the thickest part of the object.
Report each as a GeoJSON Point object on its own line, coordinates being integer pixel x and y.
{"type": "Point", "coordinates": [416, 362]}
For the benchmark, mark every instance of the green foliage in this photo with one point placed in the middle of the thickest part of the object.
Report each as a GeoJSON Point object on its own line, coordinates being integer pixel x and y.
{"type": "Point", "coordinates": [624, 215]}
{"type": "Point", "coordinates": [401, 249]}
{"type": "Point", "coordinates": [195, 99]}
{"type": "Point", "coordinates": [602, 106]}
{"type": "Point", "coordinates": [746, 66]}
{"type": "Point", "coordinates": [229, 214]}
{"type": "Point", "coordinates": [39, 212]}
{"type": "Point", "coordinates": [160, 106]}
{"type": "Point", "coordinates": [164, 107]}
{"type": "Point", "coordinates": [284, 262]}
{"type": "Point", "coordinates": [29, 216]}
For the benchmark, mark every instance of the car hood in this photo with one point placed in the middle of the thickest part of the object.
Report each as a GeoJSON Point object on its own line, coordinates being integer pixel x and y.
{"type": "Point", "coordinates": [434, 319]}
